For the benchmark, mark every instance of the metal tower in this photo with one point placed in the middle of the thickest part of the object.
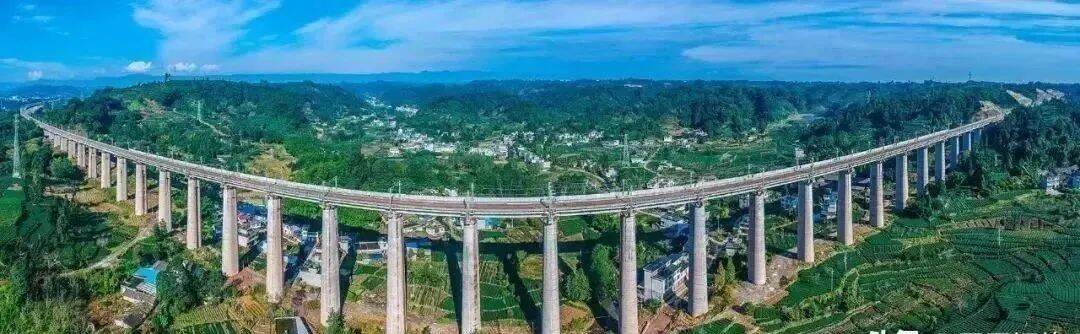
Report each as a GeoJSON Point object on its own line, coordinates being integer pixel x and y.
{"type": "Point", "coordinates": [15, 156]}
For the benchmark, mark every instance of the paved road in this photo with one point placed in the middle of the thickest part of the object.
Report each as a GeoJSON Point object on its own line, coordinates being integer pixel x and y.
{"type": "Point", "coordinates": [510, 207]}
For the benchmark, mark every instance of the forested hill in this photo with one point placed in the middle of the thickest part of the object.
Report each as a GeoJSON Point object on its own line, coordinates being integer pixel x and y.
{"type": "Point", "coordinates": [206, 119]}
{"type": "Point", "coordinates": [426, 137]}
{"type": "Point", "coordinates": [726, 109]}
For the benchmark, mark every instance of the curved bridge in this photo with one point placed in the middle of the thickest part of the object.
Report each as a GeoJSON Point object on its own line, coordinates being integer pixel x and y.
{"type": "Point", "coordinates": [88, 153]}
{"type": "Point", "coordinates": [519, 207]}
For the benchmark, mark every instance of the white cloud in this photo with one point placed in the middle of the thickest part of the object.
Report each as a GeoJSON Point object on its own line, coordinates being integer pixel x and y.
{"type": "Point", "coordinates": [199, 30]}
{"type": "Point", "coordinates": [894, 53]}
{"type": "Point", "coordinates": [780, 39]}
{"type": "Point", "coordinates": [139, 66]}
{"type": "Point", "coordinates": [34, 75]}
{"type": "Point", "coordinates": [18, 69]}
{"type": "Point", "coordinates": [381, 37]}
{"type": "Point", "coordinates": [183, 67]}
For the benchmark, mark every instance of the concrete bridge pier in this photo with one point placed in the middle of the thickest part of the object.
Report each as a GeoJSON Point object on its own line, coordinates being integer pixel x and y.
{"type": "Point", "coordinates": [80, 153]}
{"type": "Point", "coordinates": [877, 189]}
{"type": "Point", "coordinates": [83, 155]}
{"type": "Point", "coordinates": [164, 209]}
{"type": "Point", "coordinates": [330, 294]}
{"type": "Point", "coordinates": [922, 174]}
{"type": "Point", "coordinates": [395, 274]}
{"type": "Point", "coordinates": [140, 189]}
{"type": "Point", "coordinates": [977, 136]}
{"type": "Point", "coordinates": [121, 179]}
{"type": "Point", "coordinates": [91, 163]}
{"type": "Point", "coordinates": [230, 253]}
{"type": "Point", "coordinates": [699, 286]}
{"type": "Point", "coordinates": [470, 276]}
{"type": "Point", "coordinates": [965, 141]}
{"type": "Point", "coordinates": [275, 269]}
{"type": "Point", "coordinates": [106, 170]}
{"type": "Point", "coordinates": [550, 319]}
{"type": "Point", "coordinates": [193, 235]}
{"type": "Point", "coordinates": [955, 152]}
{"type": "Point", "coordinates": [901, 196]}
{"type": "Point", "coordinates": [805, 245]}
{"type": "Point", "coordinates": [939, 161]}
{"type": "Point", "coordinates": [756, 244]}
{"type": "Point", "coordinates": [628, 302]}
{"type": "Point", "coordinates": [844, 233]}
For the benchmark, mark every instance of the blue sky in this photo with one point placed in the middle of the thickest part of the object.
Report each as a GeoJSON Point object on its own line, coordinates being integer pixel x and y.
{"type": "Point", "coordinates": [912, 40]}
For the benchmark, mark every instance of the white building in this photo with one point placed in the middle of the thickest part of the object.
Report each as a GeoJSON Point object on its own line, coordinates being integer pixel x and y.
{"type": "Point", "coordinates": [660, 277]}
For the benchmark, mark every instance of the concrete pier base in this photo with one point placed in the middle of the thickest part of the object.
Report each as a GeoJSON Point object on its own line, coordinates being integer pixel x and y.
{"type": "Point", "coordinates": [230, 253]}
{"type": "Point", "coordinates": [395, 274]}
{"type": "Point", "coordinates": [877, 190]}
{"type": "Point", "coordinates": [121, 180]}
{"type": "Point", "coordinates": [140, 189]}
{"type": "Point", "coordinates": [805, 241]}
{"type": "Point", "coordinates": [193, 233]}
{"type": "Point", "coordinates": [330, 293]}
{"type": "Point", "coordinates": [628, 303]}
{"type": "Point", "coordinates": [922, 173]}
{"type": "Point", "coordinates": [470, 280]}
{"type": "Point", "coordinates": [275, 268]}
{"type": "Point", "coordinates": [844, 232]}
{"type": "Point", "coordinates": [699, 286]}
{"type": "Point", "coordinates": [901, 196]}
{"type": "Point", "coordinates": [164, 209]}
{"type": "Point", "coordinates": [756, 244]}
{"type": "Point", "coordinates": [549, 323]}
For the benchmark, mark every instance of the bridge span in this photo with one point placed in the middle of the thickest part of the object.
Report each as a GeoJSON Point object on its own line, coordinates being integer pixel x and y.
{"type": "Point", "coordinates": [99, 159]}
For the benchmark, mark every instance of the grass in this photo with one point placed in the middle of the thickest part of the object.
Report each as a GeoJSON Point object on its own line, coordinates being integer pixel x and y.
{"type": "Point", "coordinates": [10, 210]}
{"type": "Point", "coordinates": [722, 326]}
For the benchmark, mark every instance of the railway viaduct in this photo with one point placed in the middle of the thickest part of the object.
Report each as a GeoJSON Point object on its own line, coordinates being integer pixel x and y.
{"type": "Point", "coordinates": [101, 160]}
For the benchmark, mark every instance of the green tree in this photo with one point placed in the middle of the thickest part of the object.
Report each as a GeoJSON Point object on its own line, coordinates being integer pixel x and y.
{"type": "Point", "coordinates": [576, 286]}
{"type": "Point", "coordinates": [336, 324]}
{"type": "Point", "coordinates": [602, 269]}
{"type": "Point", "coordinates": [63, 169]}
{"type": "Point", "coordinates": [850, 294]}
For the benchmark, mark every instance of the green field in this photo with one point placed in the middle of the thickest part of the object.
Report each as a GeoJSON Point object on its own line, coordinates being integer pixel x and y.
{"type": "Point", "coordinates": [994, 269]}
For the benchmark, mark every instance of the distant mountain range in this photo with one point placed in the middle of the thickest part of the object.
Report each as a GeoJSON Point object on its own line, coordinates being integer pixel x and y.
{"type": "Point", "coordinates": [133, 79]}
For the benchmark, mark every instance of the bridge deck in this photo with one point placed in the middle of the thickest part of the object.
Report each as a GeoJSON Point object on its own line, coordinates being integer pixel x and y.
{"type": "Point", "coordinates": [611, 202]}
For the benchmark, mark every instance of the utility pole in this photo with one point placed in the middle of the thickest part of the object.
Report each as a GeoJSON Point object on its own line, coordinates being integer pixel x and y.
{"type": "Point", "coordinates": [15, 158]}
{"type": "Point", "coordinates": [626, 149]}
